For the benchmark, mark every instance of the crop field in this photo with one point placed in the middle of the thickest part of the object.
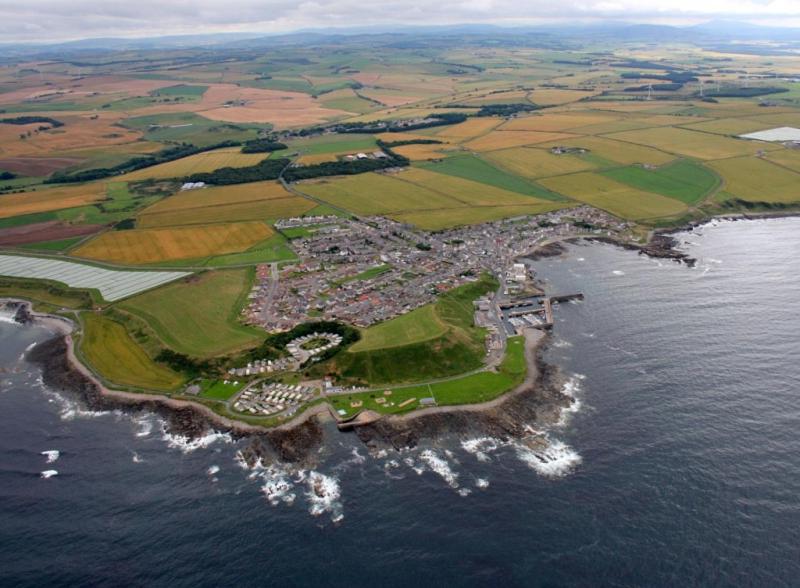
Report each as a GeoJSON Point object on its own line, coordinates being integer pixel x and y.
{"type": "Point", "coordinates": [537, 163]}
{"type": "Point", "coordinates": [470, 167]}
{"type": "Point", "coordinates": [188, 127]}
{"type": "Point", "coordinates": [220, 195]}
{"type": "Point", "coordinates": [683, 180]}
{"type": "Point", "coordinates": [727, 126]}
{"type": "Point", "coordinates": [48, 199]}
{"type": "Point", "coordinates": [618, 199]}
{"type": "Point", "coordinates": [112, 352]}
{"type": "Point", "coordinates": [786, 157]}
{"type": "Point", "coordinates": [468, 129]}
{"type": "Point", "coordinates": [447, 218]}
{"type": "Point", "coordinates": [425, 152]}
{"type": "Point", "coordinates": [207, 161]}
{"type": "Point", "coordinates": [418, 325]}
{"type": "Point", "coordinates": [112, 284]}
{"type": "Point", "coordinates": [692, 143]}
{"type": "Point", "coordinates": [496, 140]}
{"type": "Point", "coordinates": [549, 97]}
{"type": "Point", "coordinates": [264, 210]}
{"type": "Point", "coordinates": [209, 325]}
{"type": "Point", "coordinates": [142, 246]}
{"type": "Point", "coordinates": [757, 180]}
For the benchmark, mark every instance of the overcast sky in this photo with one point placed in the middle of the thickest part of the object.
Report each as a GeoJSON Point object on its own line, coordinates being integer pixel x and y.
{"type": "Point", "coordinates": [52, 20]}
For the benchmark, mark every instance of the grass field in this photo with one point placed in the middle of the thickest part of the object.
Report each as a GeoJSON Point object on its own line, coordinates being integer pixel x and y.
{"type": "Point", "coordinates": [475, 388]}
{"type": "Point", "coordinates": [470, 167]}
{"type": "Point", "coordinates": [49, 199]}
{"type": "Point", "coordinates": [109, 349]}
{"type": "Point", "coordinates": [556, 122]}
{"type": "Point", "coordinates": [54, 294]}
{"type": "Point", "coordinates": [142, 246]}
{"type": "Point", "coordinates": [618, 199]}
{"type": "Point", "coordinates": [472, 127]}
{"type": "Point", "coordinates": [727, 126]}
{"type": "Point", "coordinates": [683, 180]}
{"type": "Point", "coordinates": [692, 143]}
{"type": "Point", "coordinates": [786, 157]}
{"type": "Point", "coordinates": [757, 180]}
{"type": "Point", "coordinates": [198, 316]}
{"type": "Point", "coordinates": [216, 390]}
{"type": "Point", "coordinates": [537, 163]}
{"type": "Point", "coordinates": [424, 152]}
{"type": "Point", "coordinates": [188, 127]}
{"type": "Point", "coordinates": [418, 325]}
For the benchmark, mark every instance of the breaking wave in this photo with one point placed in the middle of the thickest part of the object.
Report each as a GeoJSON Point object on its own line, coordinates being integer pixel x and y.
{"type": "Point", "coordinates": [52, 455]}
{"type": "Point", "coordinates": [555, 460]}
{"type": "Point", "coordinates": [324, 493]}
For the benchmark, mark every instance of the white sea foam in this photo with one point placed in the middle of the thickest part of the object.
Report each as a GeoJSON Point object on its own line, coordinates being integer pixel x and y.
{"type": "Point", "coordinates": [324, 495]}
{"type": "Point", "coordinates": [52, 455]}
{"type": "Point", "coordinates": [213, 469]}
{"type": "Point", "coordinates": [562, 344]}
{"type": "Point", "coordinates": [136, 458]}
{"type": "Point", "coordinates": [439, 466]}
{"type": "Point", "coordinates": [618, 273]}
{"type": "Point", "coordinates": [481, 447]}
{"type": "Point", "coordinates": [49, 473]}
{"type": "Point", "coordinates": [581, 259]}
{"type": "Point", "coordinates": [187, 444]}
{"type": "Point", "coordinates": [144, 425]}
{"type": "Point", "coordinates": [555, 460]}
{"type": "Point", "coordinates": [9, 319]}
{"type": "Point", "coordinates": [481, 483]}
{"type": "Point", "coordinates": [464, 492]}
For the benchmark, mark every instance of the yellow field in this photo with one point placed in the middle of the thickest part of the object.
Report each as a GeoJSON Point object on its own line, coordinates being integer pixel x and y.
{"type": "Point", "coordinates": [422, 152]}
{"type": "Point", "coordinates": [618, 199]}
{"type": "Point", "coordinates": [316, 158]}
{"type": "Point", "coordinates": [757, 180]}
{"type": "Point", "coordinates": [51, 199]}
{"type": "Point", "coordinates": [615, 151]}
{"type": "Point", "coordinates": [692, 143]}
{"type": "Point", "coordinates": [556, 122]}
{"type": "Point", "coordinates": [435, 220]}
{"type": "Point", "coordinates": [194, 164]}
{"type": "Point", "coordinates": [141, 246]}
{"type": "Point", "coordinates": [377, 194]}
{"type": "Point", "coordinates": [505, 139]}
{"type": "Point", "coordinates": [536, 163]}
{"type": "Point", "coordinates": [265, 210]}
{"type": "Point", "coordinates": [472, 127]}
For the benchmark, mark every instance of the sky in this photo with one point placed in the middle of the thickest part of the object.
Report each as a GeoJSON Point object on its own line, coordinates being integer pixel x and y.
{"type": "Point", "coordinates": [57, 20]}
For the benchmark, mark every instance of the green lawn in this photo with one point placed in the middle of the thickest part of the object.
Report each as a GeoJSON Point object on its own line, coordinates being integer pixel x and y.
{"type": "Point", "coordinates": [418, 325]}
{"type": "Point", "coordinates": [54, 294]}
{"type": "Point", "coordinates": [682, 180]}
{"type": "Point", "coordinates": [217, 390]}
{"type": "Point", "coordinates": [58, 245]}
{"type": "Point", "coordinates": [199, 315]}
{"type": "Point", "coordinates": [470, 167]}
{"type": "Point", "coordinates": [372, 272]}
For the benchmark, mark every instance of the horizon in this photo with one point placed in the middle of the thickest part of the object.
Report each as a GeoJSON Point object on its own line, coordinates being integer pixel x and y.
{"type": "Point", "coordinates": [43, 22]}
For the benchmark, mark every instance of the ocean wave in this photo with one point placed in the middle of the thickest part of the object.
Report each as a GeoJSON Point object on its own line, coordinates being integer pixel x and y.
{"type": "Point", "coordinates": [555, 460]}
{"type": "Point", "coordinates": [440, 467]}
{"type": "Point", "coordinates": [481, 483]}
{"type": "Point", "coordinates": [52, 455]}
{"type": "Point", "coordinates": [324, 494]}
{"type": "Point", "coordinates": [618, 273]}
{"type": "Point", "coordinates": [277, 486]}
{"type": "Point", "coordinates": [188, 444]}
{"type": "Point", "coordinates": [144, 424]}
{"type": "Point", "coordinates": [212, 469]}
{"type": "Point", "coordinates": [48, 473]}
{"type": "Point", "coordinates": [136, 458]}
{"type": "Point", "coordinates": [481, 447]}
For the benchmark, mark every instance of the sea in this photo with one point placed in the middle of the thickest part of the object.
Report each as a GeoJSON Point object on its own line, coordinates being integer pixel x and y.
{"type": "Point", "coordinates": [678, 464]}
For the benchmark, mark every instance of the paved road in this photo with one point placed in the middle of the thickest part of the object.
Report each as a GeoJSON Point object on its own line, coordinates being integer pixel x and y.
{"type": "Point", "coordinates": [273, 285]}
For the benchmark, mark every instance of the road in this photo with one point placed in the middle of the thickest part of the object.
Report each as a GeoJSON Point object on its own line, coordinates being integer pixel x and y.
{"type": "Point", "coordinates": [273, 285]}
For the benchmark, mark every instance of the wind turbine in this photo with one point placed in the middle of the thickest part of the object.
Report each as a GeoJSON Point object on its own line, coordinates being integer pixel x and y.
{"type": "Point", "coordinates": [650, 91]}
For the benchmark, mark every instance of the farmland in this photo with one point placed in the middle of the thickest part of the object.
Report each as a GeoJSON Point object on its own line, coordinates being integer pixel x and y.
{"type": "Point", "coordinates": [757, 180]}
{"type": "Point", "coordinates": [418, 325]}
{"type": "Point", "coordinates": [143, 246]}
{"type": "Point", "coordinates": [207, 161]}
{"type": "Point", "coordinates": [48, 199]}
{"type": "Point", "coordinates": [207, 326]}
{"type": "Point", "coordinates": [683, 180]}
{"type": "Point", "coordinates": [691, 143]}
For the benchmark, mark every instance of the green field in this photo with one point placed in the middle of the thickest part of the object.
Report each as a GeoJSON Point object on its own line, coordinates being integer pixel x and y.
{"type": "Point", "coordinates": [418, 325]}
{"type": "Point", "coordinates": [55, 295]}
{"type": "Point", "coordinates": [683, 180]}
{"type": "Point", "coordinates": [470, 167]}
{"type": "Point", "coordinates": [217, 390]}
{"type": "Point", "coordinates": [58, 245]}
{"type": "Point", "coordinates": [198, 316]}
{"type": "Point", "coordinates": [189, 127]}
{"type": "Point", "coordinates": [110, 351]}
{"type": "Point", "coordinates": [459, 350]}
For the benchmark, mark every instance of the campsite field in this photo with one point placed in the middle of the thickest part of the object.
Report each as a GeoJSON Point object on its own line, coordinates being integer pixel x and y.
{"type": "Point", "coordinates": [198, 315]}
{"type": "Point", "coordinates": [144, 246]}
{"type": "Point", "coordinates": [112, 352]}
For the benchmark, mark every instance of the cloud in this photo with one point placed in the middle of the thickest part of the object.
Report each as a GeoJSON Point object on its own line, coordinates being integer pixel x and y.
{"type": "Point", "coordinates": [49, 20]}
